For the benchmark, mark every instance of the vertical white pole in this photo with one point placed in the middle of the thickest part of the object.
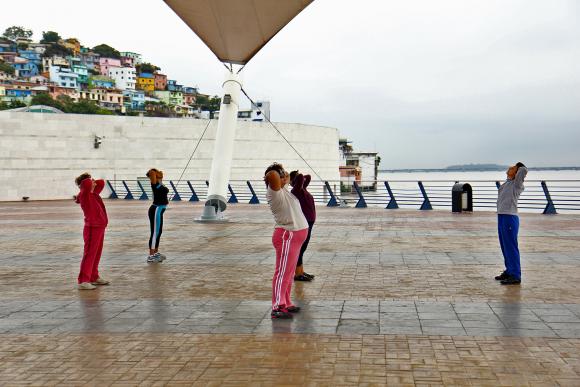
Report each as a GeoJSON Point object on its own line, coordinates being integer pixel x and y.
{"type": "Point", "coordinates": [224, 145]}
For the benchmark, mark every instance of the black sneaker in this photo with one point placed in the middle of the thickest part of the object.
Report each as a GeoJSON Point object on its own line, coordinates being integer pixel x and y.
{"type": "Point", "coordinates": [293, 309]}
{"type": "Point", "coordinates": [502, 276]}
{"type": "Point", "coordinates": [511, 281]}
{"type": "Point", "coordinates": [281, 313]}
{"type": "Point", "coordinates": [311, 276]}
{"type": "Point", "coordinates": [302, 277]}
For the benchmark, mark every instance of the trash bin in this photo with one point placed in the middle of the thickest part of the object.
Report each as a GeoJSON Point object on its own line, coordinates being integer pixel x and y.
{"type": "Point", "coordinates": [461, 197]}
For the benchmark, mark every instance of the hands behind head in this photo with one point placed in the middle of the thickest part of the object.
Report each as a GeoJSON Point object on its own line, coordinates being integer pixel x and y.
{"type": "Point", "coordinates": [154, 175]}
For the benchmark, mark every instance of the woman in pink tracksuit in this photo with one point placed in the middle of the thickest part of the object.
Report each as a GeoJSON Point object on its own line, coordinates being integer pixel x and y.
{"type": "Point", "coordinates": [289, 233]}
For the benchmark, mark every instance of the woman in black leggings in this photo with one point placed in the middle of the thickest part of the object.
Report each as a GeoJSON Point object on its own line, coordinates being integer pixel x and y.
{"type": "Point", "coordinates": [156, 211]}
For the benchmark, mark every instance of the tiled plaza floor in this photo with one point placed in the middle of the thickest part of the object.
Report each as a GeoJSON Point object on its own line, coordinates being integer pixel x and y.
{"type": "Point", "coordinates": [400, 298]}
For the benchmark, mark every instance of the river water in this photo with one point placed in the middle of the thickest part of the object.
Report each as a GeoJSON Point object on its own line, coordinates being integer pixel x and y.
{"type": "Point", "coordinates": [563, 187]}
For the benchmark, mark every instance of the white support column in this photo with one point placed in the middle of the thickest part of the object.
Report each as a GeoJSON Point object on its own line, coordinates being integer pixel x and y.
{"type": "Point", "coordinates": [224, 148]}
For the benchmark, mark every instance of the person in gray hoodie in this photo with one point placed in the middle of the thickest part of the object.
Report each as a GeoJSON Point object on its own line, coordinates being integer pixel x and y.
{"type": "Point", "coordinates": [508, 223]}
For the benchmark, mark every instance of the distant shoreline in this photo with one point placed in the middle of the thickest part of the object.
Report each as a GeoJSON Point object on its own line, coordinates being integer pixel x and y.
{"type": "Point", "coordinates": [467, 169]}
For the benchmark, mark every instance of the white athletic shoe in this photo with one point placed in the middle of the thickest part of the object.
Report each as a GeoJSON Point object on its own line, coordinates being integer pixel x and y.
{"type": "Point", "coordinates": [101, 281]}
{"type": "Point", "coordinates": [86, 286]}
{"type": "Point", "coordinates": [161, 257]}
{"type": "Point", "coordinates": [153, 259]}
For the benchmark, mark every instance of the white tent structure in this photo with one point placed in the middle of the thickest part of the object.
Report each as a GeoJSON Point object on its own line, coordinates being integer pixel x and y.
{"type": "Point", "coordinates": [234, 30]}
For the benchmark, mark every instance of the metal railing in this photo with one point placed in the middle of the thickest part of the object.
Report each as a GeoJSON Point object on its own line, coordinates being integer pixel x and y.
{"type": "Point", "coordinates": [548, 197]}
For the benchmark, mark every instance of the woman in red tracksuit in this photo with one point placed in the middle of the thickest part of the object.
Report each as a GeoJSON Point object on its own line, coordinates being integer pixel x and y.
{"type": "Point", "coordinates": [96, 221]}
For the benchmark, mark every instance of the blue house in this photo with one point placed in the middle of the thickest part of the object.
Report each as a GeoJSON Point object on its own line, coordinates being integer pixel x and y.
{"type": "Point", "coordinates": [7, 45]}
{"type": "Point", "coordinates": [31, 55]}
{"type": "Point", "coordinates": [134, 99]}
{"type": "Point", "coordinates": [24, 68]}
{"type": "Point", "coordinates": [100, 81]}
{"type": "Point", "coordinates": [189, 90]}
{"type": "Point", "coordinates": [173, 86]}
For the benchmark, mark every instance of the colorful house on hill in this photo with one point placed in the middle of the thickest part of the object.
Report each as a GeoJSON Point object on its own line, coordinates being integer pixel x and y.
{"type": "Point", "coordinates": [32, 56]}
{"type": "Point", "coordinates": [63, 77]}
{"type": "Point", "coordinates": [83, 73]}
{"type": "Point", "coordinates": [189, 90]}
{"type": "Point", "coordinates": [172, 98]}
{"type": "Point", "coordinates": [8, 46]}
{"type": "Point", "coordinates": [125, 77]}
{"type": "Point", "coordinates": [38, 47]}
{"type": "Point", "coordinates": [172, 85]}
{"type": "Point", "coordinates": [127, 61]}
{"type": "Point", "coordinates": [6, 77]}
{"type": "Point", "coordinates": [106, 63]}
{"type": "Point", "coordinates": [113, 100]}
{"type": "Point", "coordinates": [24, 68]}
{"type": "Point", "coordinates": [77, 67]}
{"type": "Point", "coordinates": [72, 44]}
{"type": "Point", "coordinates": [39, 80]}
{"type": "Point", "coordinates": [134, 100]}
{"type": "Point", "coordinates": [21, 95]}
{"type": "Point", "coordinates": [53, 61]}
{"type": "Point", "coordinates": [55, 91]}
{"type": "Point", "coordinates": [189, 99]}
{"type": "Point", "coordinates": [160, 81]}
{"type": "Point", "coordinates": [137, 58]}
{"type": "Point", "coordinates": [100, 81]}
{"type": "Point", "coordinates": [146, 82]}
{"type": "Point", "coordinates": [90, 59]}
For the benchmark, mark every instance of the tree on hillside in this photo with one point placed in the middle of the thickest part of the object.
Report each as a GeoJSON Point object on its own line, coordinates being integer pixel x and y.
{"type": "Point", "coordinates": [147, 68]}
{"type": "Point", "coordinates": [211, 104]}
{"type": "Point", "coordinates": [46, 99]}
{"type": "Point", "coordinates": [5, 67]}
{"type": "Point", "coordinates": [16, 32]}
{"type": "Point", "coordinates": [106, 51]}
{"type": "Point", "coordinates": [12, 105]}
{"type": "Point", "coordinates": [56, 49]}
{"type": "Point", "coordinates": [50, 37]}
{"type": "Point", "coordinates": [87, 107]}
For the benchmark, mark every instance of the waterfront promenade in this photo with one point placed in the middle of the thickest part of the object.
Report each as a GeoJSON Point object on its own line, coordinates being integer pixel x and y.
{"type": "Point", "coordinates": [401, 297]}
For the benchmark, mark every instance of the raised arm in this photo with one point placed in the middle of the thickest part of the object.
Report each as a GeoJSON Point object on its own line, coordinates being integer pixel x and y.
{"type": "Point", "coordinates": [99, 185]}
{"type": "Point", "coordinates": [521, 175]}
{"type": "Point", "coordinates": [298, 183]}
{"type": "Point", "coordinates": [307, 179]}
{"type": "Point", "coordinates": [85, 190]}
{"type": "Point", "coordinates": [273, 180]}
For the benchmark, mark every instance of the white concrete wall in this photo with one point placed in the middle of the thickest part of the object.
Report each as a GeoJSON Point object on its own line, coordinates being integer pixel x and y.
{"type": "Point", "coordinates": [41, 154]}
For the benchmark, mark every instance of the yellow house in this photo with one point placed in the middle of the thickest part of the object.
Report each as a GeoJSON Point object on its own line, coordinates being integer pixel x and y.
{"type": "Point", "coordinates": [146, 82]}
{"type": "Point", "coordinates": [73, 44]}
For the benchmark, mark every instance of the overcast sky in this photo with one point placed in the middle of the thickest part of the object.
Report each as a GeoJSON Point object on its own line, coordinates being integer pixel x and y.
{"type": "Point", "coordinates": [426, 83]}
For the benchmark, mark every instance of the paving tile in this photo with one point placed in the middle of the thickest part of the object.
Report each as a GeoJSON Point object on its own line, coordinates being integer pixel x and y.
{"type": "Point", "coordinates": [400, 298]}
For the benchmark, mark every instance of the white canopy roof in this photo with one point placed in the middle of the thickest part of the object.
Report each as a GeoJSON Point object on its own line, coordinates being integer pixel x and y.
{"type": "Point", "coordinates": [235, 30]}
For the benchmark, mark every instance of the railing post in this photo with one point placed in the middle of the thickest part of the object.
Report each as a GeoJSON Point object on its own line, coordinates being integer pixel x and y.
{"type": "Point", "coordinates": [176, 196]}
{"type": "Point", "coordinates": [254, 199]}
{"type": "Point", "coordinates": [426, 203]}
{"type": "Point", "coordinates": [207, 183]}
{"type": "Point", "coordinates": [129, 195]}
{"type": "Point", "coordinates": [550, 207]}
{"type": "Point", "coordinates": [193, 197]}
{"type": "Point", "coordinates": [361, 199]}
{"type": "Point", "coordinates": [113, 192]}
{"type": "Point", "coordinates": [143, 193]}
{"type": "Point", "coordinates": [392, 202]}
{"type": "Point", "coordinates": [332, 202]}
{"type": "Point", "coordinates": [233, 198]}
{"type": "Point", "coordinates": [497, 184]}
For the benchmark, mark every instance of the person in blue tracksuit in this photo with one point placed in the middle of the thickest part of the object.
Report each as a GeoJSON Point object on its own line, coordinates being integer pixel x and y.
{"type": "Point", "coordinates": [508, 223]}
{"type": "Point", "coordinates": [156, 211]}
